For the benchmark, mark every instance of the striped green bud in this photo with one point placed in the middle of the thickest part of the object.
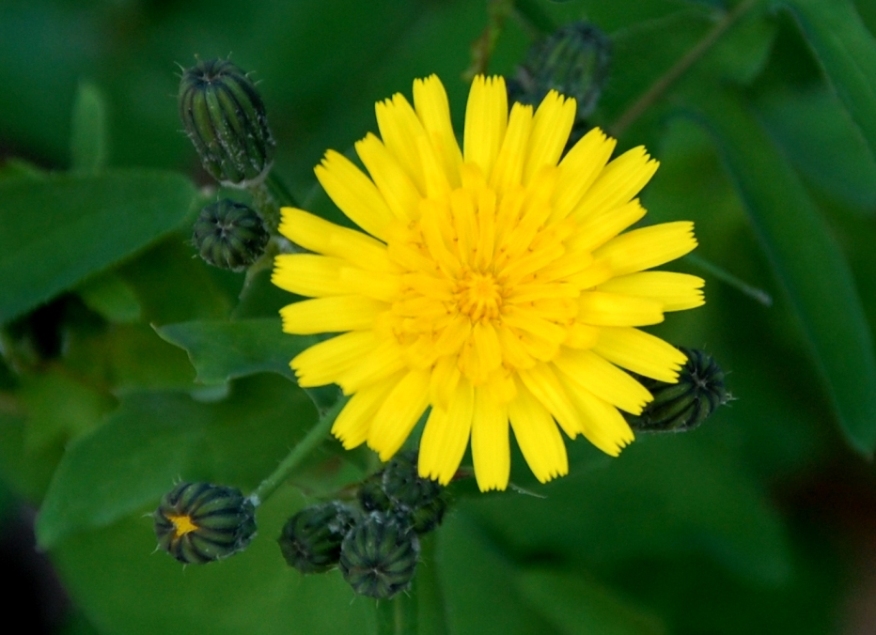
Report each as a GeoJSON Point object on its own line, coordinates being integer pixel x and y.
{"type": "Point", "coordinates": [574, 61]}
{"type": "Point", "coordinates": [225, 118]}
{"type": "Point", "coordinates": [311, 539]}
{"type": "Point", "coordinates": [398, 490]}
{"type": "Point", "coordinates": [379, 556]}
{"type": "Point", "coordinates": [197, 523]}
{"type": "Point", "coordinates": [422, 500]}
{"type": "Point", "coordinates": [685, 405]}
{"type": "Point", "coordinates": [229, 235]}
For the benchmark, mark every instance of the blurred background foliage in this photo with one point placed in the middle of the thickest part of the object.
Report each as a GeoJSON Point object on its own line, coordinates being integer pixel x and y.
{"type": "Point", "coordinates": [761, 521]}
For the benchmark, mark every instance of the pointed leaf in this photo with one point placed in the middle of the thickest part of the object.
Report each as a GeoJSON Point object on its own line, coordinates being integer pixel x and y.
{"type": "Point", "coordinates": [222, 350]}
{"type": "Point", "coordinates": [89, 142]}
{"type": "Point", "coordinates": [847, 52]}
{"type": "Point", "coordinates": [807, 261]}
{"type": "Point", "coordinates": [59, 230]}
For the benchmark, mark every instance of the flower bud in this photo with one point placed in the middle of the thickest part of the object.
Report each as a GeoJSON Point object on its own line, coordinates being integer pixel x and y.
{"type": "Point", "coordinates": [200, 522]}
{"type": "Point", "coordinates": [573, 60]}
{"type": "Point", "coordinates": [311, 539]}
{"type": "Point", "coordinates": [379, 556]}
{"type": "Point", "coordinates": [225, 118]}
{"type": "Point", "coordinates": [398, 490]}
{"type": "Point", "coordinates": [686, 404]}
{"type": "Point", "coordinates": [422, 500]}
{"type": "Point", "coordinates": [229, 235]}
{"type": "Point", "coordinates": [371, 496]}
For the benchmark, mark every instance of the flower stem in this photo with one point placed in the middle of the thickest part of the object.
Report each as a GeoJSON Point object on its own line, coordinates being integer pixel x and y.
{"type": "Point", "coordinates": [428, 589]}
{"type": "Point", "coordinates": [759, 295]}
{"type": "Point", "coordinates": [266, 206]}
{"type": "Point", "coordinates": [668, 79]}
{"type": "Point", "coordinates": [398, 616]}
{"type": "Point", "coordinates": [300, 452]}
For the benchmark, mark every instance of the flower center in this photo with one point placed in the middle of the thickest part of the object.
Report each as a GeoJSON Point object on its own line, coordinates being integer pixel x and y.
{"type": "Point", "coordinates": [182, 524]}
{"type": "Point", "coordinates": [479, 296]}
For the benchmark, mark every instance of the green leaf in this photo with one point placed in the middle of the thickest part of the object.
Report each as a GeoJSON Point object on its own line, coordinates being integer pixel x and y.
{"type": "Point", "coordinates": [664, 496]}
{"type": "Point", "coordinates": [847, 52]}
{"type": "Point", "coordinates": [823, 144]}
{"type": "Point", "coordinates": [578, 606]}
{"type": "Point", "coordinates": [89, 141]}
{"type": "Point", "coordinates": [156, 439]}
{"type": "Point", "coordinates": [59, 230]}
{"type": "Point", "coordinates": [254, 592]}
{"type": "Point", "coordinates": [478, 582]}
{"type": "Point", "coordinates": [59, 407]}
{"type": "Point", "coordinates": [132, 459]}
{"type": "Point", "coordinates": [808, 263]}
{"type": "Point", "coordinates": [220, 350]}
{"type": "Point", "coordinates": [172, 285]}
{"type": "Point", "coordinates": [112, 297]}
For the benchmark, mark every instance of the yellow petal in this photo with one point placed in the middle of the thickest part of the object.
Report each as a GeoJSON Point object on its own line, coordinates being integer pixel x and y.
{"type": "Point", "coordinates": [430, 102]}
{"type": "Point", "coordinates": [677, 291]}
{"type": "Point", "coordinates": [618, 183]}
{"type": "Point", "coordinates": [542, 382]}
{"type": "Point", "coordinates": [331, 315]}
{"type": "Point", "coordinates": [399, 128]}
{"type": "Point", "coordinates": [641, 353]}
{"type": "Point", "coordinates": [609, 309]}
{"type": "Point", "coordinates": [486, 117]}
{"type": "Point", "coordinates": [538, 436]}
{"type": "Point", "coordinates": [445, 436]}
{"type": "Point", "coordinates": [551, 126]}
{"type": "Point", "coordinates": [354, 193]}
{"type": "Point", "coordinates": [648, 247]}
{"type": "Point", "coordinates": [398, 414]}
{"type": "Point", "coordinates": [322, 363]}
{"type": "Point", "coordinates": [315, 234]}
{"type": "Point", "coordinates": [395, 184]}
{"type": "Point", "coordinates": [308, 274]}
{"type": "Point", "coordinates": [374, 365]}
{"type": "Point", "coordinates": [603, 425]}
{"type": "Point", "coordinates": [579, 169]}
{"type": "Point", "coordinates": [490, 444]}
{"type": "Point", "coordinates": [597, 229]}
{"type": "Point", "coordinates": [351, 426]}
{"type": "Point", "coordinates": [508, 170]}
{"type": "Point", "coordinates": [593, 373]}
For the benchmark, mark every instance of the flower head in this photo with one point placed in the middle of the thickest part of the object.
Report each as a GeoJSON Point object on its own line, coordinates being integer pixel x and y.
{"type": "Point", "coordinates": [494, 285]}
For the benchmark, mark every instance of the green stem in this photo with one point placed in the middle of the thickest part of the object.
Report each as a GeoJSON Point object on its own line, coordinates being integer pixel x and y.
{"type": "Point", "coordinates": [300, 452]}
{"type": "Point", "coordinates": [279, 191]}
{"type": "Point", "coordinates": [668, 79]}
{"type": "Point", "coordinates": [398, 616]}
{"type": "Point", "coordinates": [266, 206]}
{"type": "Point", "coordinates": [728, 278]}
{"type": "Point", "coordinates": [533, 18]}
{"type": "Point", "coordinates": [428, 588]}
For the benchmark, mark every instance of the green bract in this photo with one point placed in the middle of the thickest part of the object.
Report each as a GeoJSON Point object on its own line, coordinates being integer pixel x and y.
{"type": "Point", "coordinates": [379, 556]}
{"type": "Point", "coordinates": [197, 523]}
{"type": "Point", "coordinates": [685, 405]}
{"type": "Point", "coordinates": [229, 235]}
{"type": "Point", "coordinates": [225, 118]}
{"type": "Point", "coordinates": [311, 539]}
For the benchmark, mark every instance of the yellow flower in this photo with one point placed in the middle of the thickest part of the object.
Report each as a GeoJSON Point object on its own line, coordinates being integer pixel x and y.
{"type": "Point", "coordinates": [495, 286]}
